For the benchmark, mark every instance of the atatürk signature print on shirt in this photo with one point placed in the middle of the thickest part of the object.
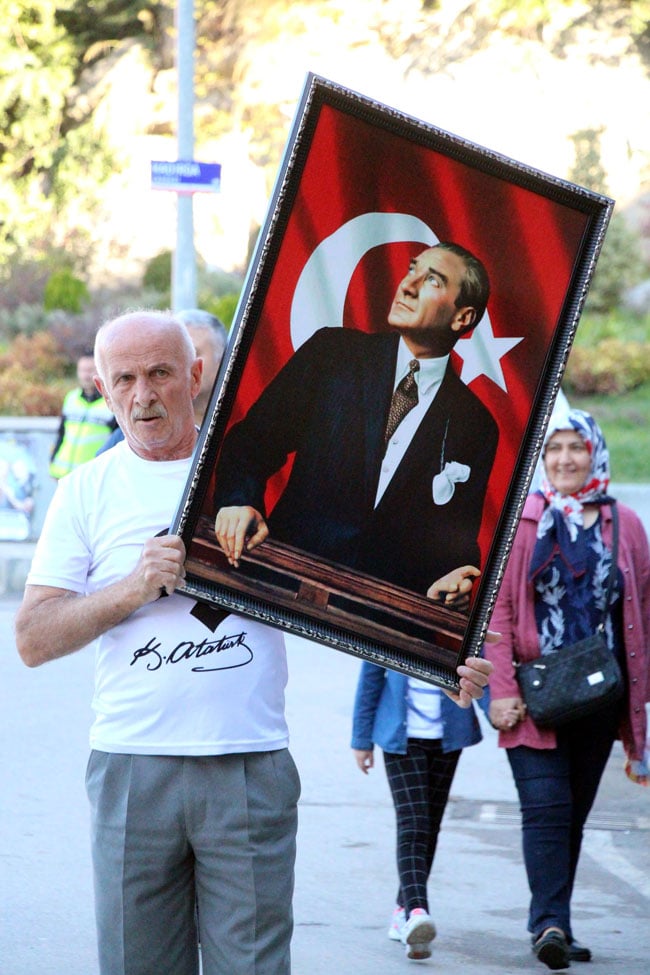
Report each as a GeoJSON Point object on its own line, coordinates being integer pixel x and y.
{"type": "Point", "coordinates": [220, 653]}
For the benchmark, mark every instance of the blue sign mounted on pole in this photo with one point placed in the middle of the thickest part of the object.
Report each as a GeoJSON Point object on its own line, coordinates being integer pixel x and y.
{"type": "Point", "coordinates": [186, 176]}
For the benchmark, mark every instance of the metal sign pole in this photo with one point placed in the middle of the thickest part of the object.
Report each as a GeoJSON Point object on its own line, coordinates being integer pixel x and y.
{"type": "Point", "coordinates": [184, 261]}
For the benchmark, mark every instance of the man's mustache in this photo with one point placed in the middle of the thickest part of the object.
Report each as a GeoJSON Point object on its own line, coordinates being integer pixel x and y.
{"type": "Point", "coordinates": [149, 413]}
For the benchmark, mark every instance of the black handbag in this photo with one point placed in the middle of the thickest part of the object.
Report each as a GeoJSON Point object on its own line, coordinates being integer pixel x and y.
{"type": "Point", "coordinates": [577, 680]}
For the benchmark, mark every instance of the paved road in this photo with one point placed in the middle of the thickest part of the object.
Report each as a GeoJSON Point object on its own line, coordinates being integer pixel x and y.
{"type": "Point", "coordinates": [345, 872]}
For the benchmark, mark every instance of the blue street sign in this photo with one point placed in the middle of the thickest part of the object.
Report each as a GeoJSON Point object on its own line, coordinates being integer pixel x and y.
{"type": "Point", "coordinates": [186, 176]}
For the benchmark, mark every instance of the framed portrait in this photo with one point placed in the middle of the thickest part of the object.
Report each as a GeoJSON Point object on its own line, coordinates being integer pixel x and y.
{"type": "Point", "coordinates": [394, 255]}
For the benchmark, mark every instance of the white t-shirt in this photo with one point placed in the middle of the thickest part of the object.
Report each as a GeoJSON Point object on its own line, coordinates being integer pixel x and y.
{"type": "Point", "coordinates": [165, 682]}
{"type": "Point", "coordinates": [423, 710]}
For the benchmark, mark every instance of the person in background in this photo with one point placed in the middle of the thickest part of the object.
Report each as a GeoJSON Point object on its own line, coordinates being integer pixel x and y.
{"type": "Point", "coordinates": [86, 422]}
{"type": "Point", "coordinates": [210, 337]}
{"type": "Point", "coordinates": [552, 595]}
{"type": "Point", "coordinates": [192, 788]}
{"type": "Point", "coordinates": [422, 734]}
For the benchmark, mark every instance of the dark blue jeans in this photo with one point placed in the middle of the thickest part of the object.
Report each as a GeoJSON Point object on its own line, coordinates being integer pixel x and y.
{"type": "Point", "coordinates": [557, 788]}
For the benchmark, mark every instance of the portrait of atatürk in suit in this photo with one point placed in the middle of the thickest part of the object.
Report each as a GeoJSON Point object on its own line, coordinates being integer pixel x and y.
{"type": "Point", "coordinates": [391, 450]}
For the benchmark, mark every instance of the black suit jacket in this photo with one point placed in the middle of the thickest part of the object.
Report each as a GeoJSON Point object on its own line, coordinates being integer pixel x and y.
{"type": "Point", "coordinates": [328, 406]}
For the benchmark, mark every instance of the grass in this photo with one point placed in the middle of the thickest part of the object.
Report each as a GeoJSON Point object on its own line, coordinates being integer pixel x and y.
{"type": "Point", "coordinates": [625, 421]}
{"type": "Point", "coordinates": [625, 417]}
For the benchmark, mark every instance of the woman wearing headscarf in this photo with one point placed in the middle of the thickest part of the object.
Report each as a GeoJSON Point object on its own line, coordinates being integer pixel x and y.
{"type": "Point", "coordinates": [553, 595]}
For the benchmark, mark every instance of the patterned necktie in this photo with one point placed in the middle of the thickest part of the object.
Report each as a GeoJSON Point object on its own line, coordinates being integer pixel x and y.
{"type": "Point", "coordinates": [404, 399]}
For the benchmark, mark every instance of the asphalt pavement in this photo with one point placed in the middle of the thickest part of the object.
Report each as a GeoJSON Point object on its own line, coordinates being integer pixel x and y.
{"type": "Point", "coordinates": [345, 875]}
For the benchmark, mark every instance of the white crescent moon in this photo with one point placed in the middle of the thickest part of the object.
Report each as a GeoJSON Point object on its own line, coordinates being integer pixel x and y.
{"type": "Point", "coordinates": [319, 297]}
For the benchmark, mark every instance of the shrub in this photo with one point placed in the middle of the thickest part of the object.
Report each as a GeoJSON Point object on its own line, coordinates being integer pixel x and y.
{"type": "Point", "coordinates": [22, 283]}
{"type": "Point", "coordinates": [33, 378]}
{"type": "Point", "coordinates": [158, 273]}
{"type": "Point", "coordinates": [36, 355]}
{"type": "Point", "coordinates": [64, 290]}
{"type": "Point", "coordinates": [612, 366]}
{"type": "Point", "coordinates": [26, 319]}
{"type": "Point", "coordinates": [226, 308]}
{"type": "Point", "coordinates": [216, 282]}
{"type": "Point", "coordinates": [620, 265]}
{"type": "Point", "coordinates": [212, 285]}
{"type": "Point", "coordinates": [618, 324]}
{"type": "Point", "coordinates": [223, 307]}
{"type": "Point", "coordinates": [20, 395]}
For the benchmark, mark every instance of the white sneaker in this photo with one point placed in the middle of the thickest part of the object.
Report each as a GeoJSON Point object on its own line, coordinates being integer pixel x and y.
{"type": "Point", "coordinates": [397, 922]}
{"type": "Point", "coordinates": [417, 934]}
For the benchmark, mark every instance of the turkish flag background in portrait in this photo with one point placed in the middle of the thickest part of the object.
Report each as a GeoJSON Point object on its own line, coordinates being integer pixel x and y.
{"type": "Point", "coordinates": [361, 175]}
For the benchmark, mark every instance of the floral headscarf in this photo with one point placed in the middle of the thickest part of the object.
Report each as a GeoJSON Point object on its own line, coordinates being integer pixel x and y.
{"type": "Point", "coordinates": [560, 529]}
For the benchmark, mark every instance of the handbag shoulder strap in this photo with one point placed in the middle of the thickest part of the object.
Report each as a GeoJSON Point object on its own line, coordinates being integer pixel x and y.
{"type": "Point", "coordinates": [613, 567]}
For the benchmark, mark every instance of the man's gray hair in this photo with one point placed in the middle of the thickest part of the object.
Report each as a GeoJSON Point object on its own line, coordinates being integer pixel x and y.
{"type": "Point", "coordinates": [197, 318]}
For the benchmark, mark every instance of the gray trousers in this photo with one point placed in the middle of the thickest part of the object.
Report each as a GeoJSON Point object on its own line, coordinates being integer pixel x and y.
{"type": "Point", "coordinates": [170, 832]}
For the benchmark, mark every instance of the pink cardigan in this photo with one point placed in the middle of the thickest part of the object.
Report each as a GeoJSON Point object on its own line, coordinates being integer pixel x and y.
{"type": "Point", "coordinates": [514, 619]}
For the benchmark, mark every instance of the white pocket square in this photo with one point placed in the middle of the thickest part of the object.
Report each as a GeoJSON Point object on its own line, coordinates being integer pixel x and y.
{"type": "Point", "coordinates": [444, 484]}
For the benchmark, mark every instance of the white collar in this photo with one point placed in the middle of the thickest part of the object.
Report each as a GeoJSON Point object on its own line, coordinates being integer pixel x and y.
{"type": "Point", "coordinates": [431, 370]}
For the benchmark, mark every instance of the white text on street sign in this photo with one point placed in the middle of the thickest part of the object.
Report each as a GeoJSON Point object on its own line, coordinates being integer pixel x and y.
{"type": "Point", "coordinates": [186, 176]}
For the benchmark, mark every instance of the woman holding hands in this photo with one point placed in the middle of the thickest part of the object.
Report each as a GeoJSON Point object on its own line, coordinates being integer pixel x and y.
{"type": "Point", "coordinates": [553, 595]}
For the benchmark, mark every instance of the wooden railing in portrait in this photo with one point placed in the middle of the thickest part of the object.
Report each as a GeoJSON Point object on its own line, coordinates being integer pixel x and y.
{"type": "Point", "coordinates": [282, 576]}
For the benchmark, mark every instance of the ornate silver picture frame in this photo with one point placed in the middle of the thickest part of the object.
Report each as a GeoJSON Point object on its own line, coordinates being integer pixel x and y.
{"type": "Point", "coordinates": [369, 205]}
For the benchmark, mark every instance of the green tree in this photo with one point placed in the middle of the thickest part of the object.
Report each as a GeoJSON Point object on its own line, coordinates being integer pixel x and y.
{"type": "Point", "coordinates": [158, 273]}
{"type": "Point", "coordinates": [620, 263]}
{"type": "Point", "coordinates": [51, 149]}
{"type": "Point", "coordinates": [95, 27]}
{"type": "Point", "coordinates": [629, 19]}
{"type": "Point", "coordinates": [64, 290]}
{"type": "Point", "coordinates": [587, 169]}
{"type": "Point", "coordinates": [36, 71]}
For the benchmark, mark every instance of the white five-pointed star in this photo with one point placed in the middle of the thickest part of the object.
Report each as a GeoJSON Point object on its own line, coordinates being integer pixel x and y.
{"type": "Point", "coordinates": [482, 352]}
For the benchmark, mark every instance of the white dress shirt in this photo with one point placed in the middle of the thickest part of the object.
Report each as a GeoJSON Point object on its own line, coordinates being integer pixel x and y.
{"type": "Point", "coordinates": [428, 379]}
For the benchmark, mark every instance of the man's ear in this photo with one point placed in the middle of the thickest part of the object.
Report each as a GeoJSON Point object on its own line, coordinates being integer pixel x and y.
{"type": "Point", "coordinates": [196, 373]}
{"type": "Point", "coordinates": [463, 320]}
{"type": "Point", "coordinates": [102, 389]}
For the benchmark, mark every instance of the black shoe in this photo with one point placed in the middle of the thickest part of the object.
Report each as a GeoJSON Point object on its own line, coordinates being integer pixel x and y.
{"type": "Point", "coordinates": [578, 952]}
{"type": "Point", "coordinates": [552, 949]}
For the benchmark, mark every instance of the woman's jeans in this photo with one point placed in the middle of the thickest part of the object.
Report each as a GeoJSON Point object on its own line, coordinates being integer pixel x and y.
{"type": "Point", "coordinates": [557, 788]}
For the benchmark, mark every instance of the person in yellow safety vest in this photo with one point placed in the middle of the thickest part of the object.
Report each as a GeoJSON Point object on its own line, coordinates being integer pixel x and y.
{"type": "Point", "coordinates": [86, 422]}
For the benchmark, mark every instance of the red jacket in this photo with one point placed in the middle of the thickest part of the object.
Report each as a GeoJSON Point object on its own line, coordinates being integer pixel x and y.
{"type": "Point", "coordinates": [514, 619]}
